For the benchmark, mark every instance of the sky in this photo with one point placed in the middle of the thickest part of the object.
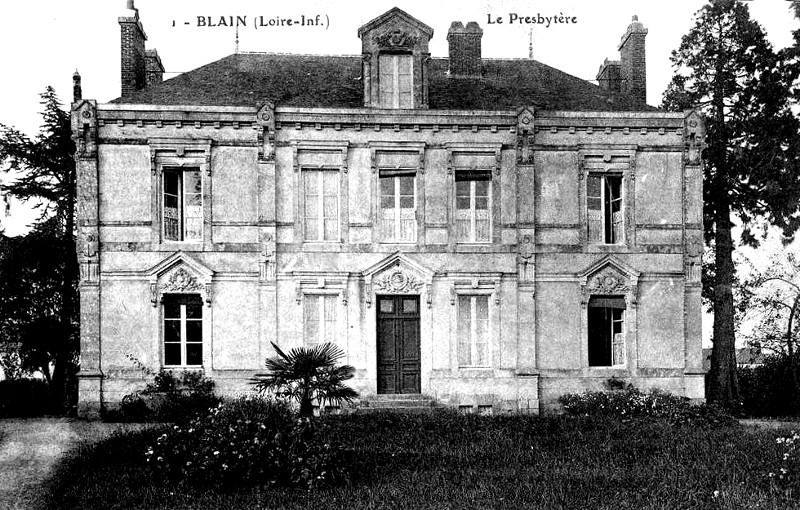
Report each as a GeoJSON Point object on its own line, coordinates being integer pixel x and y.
{"type": "Point", "coordinates": [45, 41]}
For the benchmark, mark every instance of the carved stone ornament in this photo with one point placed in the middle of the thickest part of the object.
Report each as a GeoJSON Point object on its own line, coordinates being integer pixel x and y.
{"type": "Point", "coordinates": [397, 282]}
{"type": "Point", "coordinates": [396, 39]}
{"type": "Point", "coordinates": [607, 281]}
{"type": "Point", "coordinates": [181, 281]}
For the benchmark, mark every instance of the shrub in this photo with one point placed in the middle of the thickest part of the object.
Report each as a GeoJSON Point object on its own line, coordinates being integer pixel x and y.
{"type": "Point", "coordinates": [167, 397]}
{"type": "Point", "coordinates": [249, 440]}
{"type": "Point", "coordinates": [766, 390]}
{"type": "Point", "coordinates": [23, 397]}
{"type": "Point", "coordinates": [632, 403]}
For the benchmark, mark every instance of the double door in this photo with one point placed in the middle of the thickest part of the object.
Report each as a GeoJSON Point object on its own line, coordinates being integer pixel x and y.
{"type": "Point", "coordinates": [398, 344]}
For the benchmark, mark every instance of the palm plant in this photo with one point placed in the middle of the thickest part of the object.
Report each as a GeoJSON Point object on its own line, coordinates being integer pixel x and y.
{"type": "Point", "coordinates": [306, 374]}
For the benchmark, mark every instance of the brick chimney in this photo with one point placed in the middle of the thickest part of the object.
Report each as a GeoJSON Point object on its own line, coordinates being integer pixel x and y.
{"type": "Point", "coordinates": [154, 69]}
{"type": "Point", "coordinates": [465, 49]}
{"type": "Point", "coordinates": [632, 62]}
{"type": "Point", "coordinates": [609, 76]}
{"type": "Point", "coordinates": [132, 48]}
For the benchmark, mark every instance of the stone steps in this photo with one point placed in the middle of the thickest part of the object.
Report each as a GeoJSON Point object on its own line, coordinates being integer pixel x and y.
{"type": "Point", "coordinates": [399, 402]}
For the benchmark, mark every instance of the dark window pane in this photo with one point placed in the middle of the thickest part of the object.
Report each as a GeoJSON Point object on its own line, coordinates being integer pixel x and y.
{"type": "Point", "coordinates": [387, 306]}
{"type": "Point", "coordinates": [599, 337]}
{"type": "Point", "coordinates": [194, 310]}
{"type": "Point", "coordinates": [172, 354]}
{"type": "Point", "coordinates": [172, 331]}
{"type": "Point", "coordinates": [194, 354]}
{"type": "Point", "coordinates": [593, 186]}
{"type": "Point", "coordinates": [406, 202]}
{"type": "Point", "coordinates": [172, 182]}
{"type": "Point", "coordinates": [172, 309]}
{"type": "Point", "coordinates": [462, 188]}
{"type": "Point", "coordinates": [194, 331]}
{"type": "Point", "coordinates": [409, 305]}
{"type": "Point", "coordinates": [462, 202]}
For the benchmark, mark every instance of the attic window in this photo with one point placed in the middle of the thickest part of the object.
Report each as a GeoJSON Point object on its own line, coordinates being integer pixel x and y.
{"type": "Point", "coordinates": [396, 81]}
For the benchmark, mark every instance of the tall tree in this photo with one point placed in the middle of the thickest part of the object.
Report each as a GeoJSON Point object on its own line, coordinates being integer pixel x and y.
{"type": "Point", "coordinates": [726, 68]}
{"type": "Point", "coordinates": [44, 172]}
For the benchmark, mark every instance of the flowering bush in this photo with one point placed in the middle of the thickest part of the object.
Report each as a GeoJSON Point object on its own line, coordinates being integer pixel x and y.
{"type": "Point", "coordinates": [633, 403]}
{"type": "Point", "coordinates": [787, 474]}
{"type": "Point", "coordinates": [250, 440]}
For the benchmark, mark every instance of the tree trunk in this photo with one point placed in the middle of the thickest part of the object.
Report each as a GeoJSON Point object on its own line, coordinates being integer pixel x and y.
{"type": "Point", "coordinates": [723, 384]}
{"type": "Point", "coordinates": [60, 393]}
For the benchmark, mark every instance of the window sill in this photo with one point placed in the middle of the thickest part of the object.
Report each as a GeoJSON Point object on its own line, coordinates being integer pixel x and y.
{"type": "Point", "coordinates": [181, 245]}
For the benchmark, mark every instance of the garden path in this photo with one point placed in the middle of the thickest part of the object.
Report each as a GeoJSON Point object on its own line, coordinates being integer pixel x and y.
{"type": "Point", "coordinates": [31, 447]}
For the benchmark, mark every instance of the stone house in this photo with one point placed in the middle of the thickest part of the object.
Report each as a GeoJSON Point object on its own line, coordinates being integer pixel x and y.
{"type": "Point", "coordinates": [487, 233]}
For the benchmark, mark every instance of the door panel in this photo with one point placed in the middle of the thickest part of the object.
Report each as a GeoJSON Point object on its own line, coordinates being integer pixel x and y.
{"type": "Point", "coordinates": [398, 344]}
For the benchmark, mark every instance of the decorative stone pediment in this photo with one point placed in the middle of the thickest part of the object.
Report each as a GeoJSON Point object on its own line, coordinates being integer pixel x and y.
{"type": "Point", "coordinates": [609, 276]}
{"type": "Point", "coordinates": [397, 274]}
{"type": "Point", "coordinates": [180, 274]}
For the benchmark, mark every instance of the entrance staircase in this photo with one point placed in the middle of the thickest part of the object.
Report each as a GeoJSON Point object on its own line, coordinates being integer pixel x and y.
{"type": "Point", "coordinates": [401, 402]}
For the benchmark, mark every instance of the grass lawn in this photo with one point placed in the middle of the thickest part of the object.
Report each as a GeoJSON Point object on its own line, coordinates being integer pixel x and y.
{"type": "Point", "coordinates": [454, 461]}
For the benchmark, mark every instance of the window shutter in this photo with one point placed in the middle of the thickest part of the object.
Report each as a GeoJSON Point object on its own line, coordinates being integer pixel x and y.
{"type": "Point", "coordinates": [594, 208]}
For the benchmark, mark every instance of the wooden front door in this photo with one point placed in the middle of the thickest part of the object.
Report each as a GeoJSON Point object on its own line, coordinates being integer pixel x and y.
{"type": "Point", "coordinates": [398, 344]}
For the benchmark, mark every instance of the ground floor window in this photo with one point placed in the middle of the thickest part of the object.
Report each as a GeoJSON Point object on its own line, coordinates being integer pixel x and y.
{"type": "Point", "coordinates": [606, 331]}
{"type": "Point", "coordinates": [183, 330]}
{"type": "Point", "coordinates": [473, 331]}
{"type": "Point", "coordinates": [319, 319]}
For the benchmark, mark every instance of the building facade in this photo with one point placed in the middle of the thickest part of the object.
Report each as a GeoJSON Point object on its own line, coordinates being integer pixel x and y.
{"type": "Point", "coordinates": [489, 233]}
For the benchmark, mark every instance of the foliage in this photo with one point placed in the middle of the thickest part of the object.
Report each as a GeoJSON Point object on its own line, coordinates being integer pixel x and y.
{"type": "Point", "coordinates": [31, 273]}
{"type": "Point", "coordinates": [766, 390]}
{"type": "Point", "coordinates": [23, 398]}
{"type": "Point", "coordinates": [787, 477]}
{"type": "Point", "coordinates": [726, 68]}
{"type": "Point", "coordinates": [42, 268]}
{"type": "Point", "coordinates": [250, 440]}
{"type": "Point", "coordinates": [450, 460]}
{"type": "Point", "coordinates": [170, 396]}
{"type": "Point", "coordinates": [632, 403]}
{"type": "Point", "coordinates": [308, 374]}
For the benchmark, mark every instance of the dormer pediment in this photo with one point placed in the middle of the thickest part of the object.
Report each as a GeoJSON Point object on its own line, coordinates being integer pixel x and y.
{"type": "Point", "coordinates": [389, 28]}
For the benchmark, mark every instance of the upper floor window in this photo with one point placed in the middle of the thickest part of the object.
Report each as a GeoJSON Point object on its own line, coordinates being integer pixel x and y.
{"type": "Point", "coordinates": [182, 214]}
{"type": "Point", "coordinates": [398, 205]}
{"type": "Point", "coordinates": [321, 204]}
{"type": "Point", "coordinates": [473, 330]}
{"type": "Point", "coordinates": [606, 316]}
{"type": "Point", "coordinates": [604, 208]}
{"type": "Point", "coordinates": [183, 330]}
{"type": "Point", "coordinates": [473, 206]}
{"type": "Point", "coordinates": [396, 81]}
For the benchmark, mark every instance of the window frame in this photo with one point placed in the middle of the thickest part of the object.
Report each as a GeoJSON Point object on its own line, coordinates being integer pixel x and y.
{"type": "Point", "coordinates": [323, 323]}
{"type": "Point", "coordinates": [601, 160]}
{"type": "Point", "coordinates": [396, 238]}
{"type": "Point", "coordinates": [606, 215]}
{"type": "Point", "coordinates": [614, 339]}
{"type": "Point", "coordinates": [173, 154]}
{"type": "Point", "coordinates": [181, 199]}
{"type": "Point", "coordinates": [473, 211]}
{"type": "Point", "coordinates": [321, 170]}
{"type": "Point", "coordinates": [183, 342]}
{"type": "Point", "coordinates": [473, 326]}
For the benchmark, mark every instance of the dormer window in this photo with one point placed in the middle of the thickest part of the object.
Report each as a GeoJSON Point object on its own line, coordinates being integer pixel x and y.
{"type": "Point", "coordinates": [395, 57]}
{"type": "Point", "coordinates": [396, 81]}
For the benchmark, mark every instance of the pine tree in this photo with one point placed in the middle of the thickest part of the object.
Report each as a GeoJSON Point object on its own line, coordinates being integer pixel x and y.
{"type": "Point", "coordinates": [726, 68]}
